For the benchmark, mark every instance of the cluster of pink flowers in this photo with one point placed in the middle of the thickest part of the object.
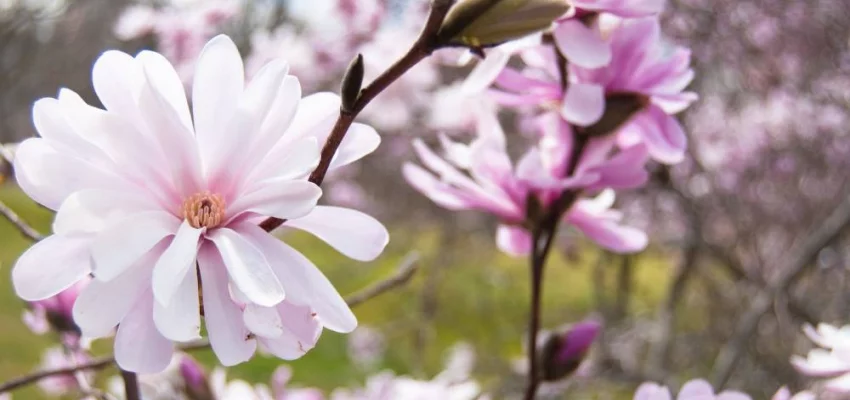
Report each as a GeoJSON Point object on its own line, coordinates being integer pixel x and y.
{"type": "Point", "coordinates": [173, 235]}
{"type": "Point", "coordinates": [606, 51]}
{"type": "Point", "coordinates": [699, 389]}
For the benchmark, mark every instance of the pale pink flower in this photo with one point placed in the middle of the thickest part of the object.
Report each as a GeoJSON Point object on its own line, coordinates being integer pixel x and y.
{"type": "Point", "coordinates": [56, 358]}
{"type": "Point", "coordinates": [55, 312]}
{"type": "Point", "coordinates": [832, 361]}
{"type": "Point", "coordinates": [785, 394]}
{"type": "Point", "coordinates": [696, 389]}
{"type": "Point", "coordinates": [145, 192]}
{"type": "Point", "coordinates": [495, 186]}
{"type": "Point", "coordinates": [281, 391]}
{"type": "Point", "coordinates": [386, 386]}
{"type": "Point", "coordinates": [366, 346]}
{"type": "Point", "coordinates": [296, 49]}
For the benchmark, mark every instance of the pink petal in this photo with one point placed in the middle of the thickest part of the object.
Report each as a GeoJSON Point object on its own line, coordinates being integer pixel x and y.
{"type": "Point", "coordinates": [663, 135]}
{"type": "Point", "coordinates": [315, 117]}
{"type": "Point", "coordinates": [216, 91]}
{"type": "Point", "coordinates": [513, 240]}
{"type": "Point", "coordinates": [229, 338]}
{"type": "Point", "coordinates": [486, 71]}
{"type": "Point", "coordinates": [51, 266]}
{"type": "Point", "coordinates": [102, 305]}
{"type": "Point", "coordinates": [652, 391]}
{"type": "Point", "coordinates": [284, 199]}
{"type": "Point", "coordinates": [262, 321]}
{"type": "Point", "coordinates": [696, 388]}
{"type": "Point", "coordinates": [174, 264]}
{"type": "Point", "coordinates": [608, 234]}
{"type": "Point", "coordinates": [436, 190]}
{"type": "Point", "coordinates": [139, 347]}
{"type": "Point", "coordinates": [248, 266]}
{"type": "Point", "coordinates": [733, 395]}
{"type": "Point", "coordinates": [93, 210]}
{"type": "Point", "coordinates": [351, 232]}
{"type": "Point", "coordinates": [121, 245]}
{"type": "Point", "coordinates": [582, 45]}
{"type": "Point", "coordinates": [300, 333]}
{"type": "Point", "coordinates": [180, 320]}
{"type": "Point", "coordinates": [118, 79]}
{"type": "Point", "coordinates": [304, 283]}
{"type": "Point", "coordinates": [583, 104]}
{"type": "Point", "coordinates": [280, 115]}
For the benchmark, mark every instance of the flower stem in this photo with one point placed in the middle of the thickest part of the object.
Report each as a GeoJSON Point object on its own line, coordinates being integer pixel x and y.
{"type": "Point", "coordinates": [538, 261]}
{"type": "Point", "coordinates": [131, 385]}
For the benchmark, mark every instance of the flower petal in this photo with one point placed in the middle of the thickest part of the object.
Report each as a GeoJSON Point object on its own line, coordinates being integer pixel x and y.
{"type": "Point", "coordinates": [247, 266]}
{"type": "Point", "coordinates": [229, 338]}
{"type": "Point", "coordinates": [583, 104]}
{"type": "Point", "coordinates": [608, 233]}
{"type": "Point", "coordinates": [513, 240]}
{"type": "Point", "coordinates": [300, 332]}
{"type": "Point", "coordinates": [262, 321]}
{"type": "Point", "coordinates": [180, 320]}
{"type": "Point", "coordinates": [353, 233]}
{"type": "Point", "coordinates": [358, 142]}
{"type": "Point", "coordinates": [102, 305]}
{"type": "Point", "coordinates": [122, 244]}
{"type": "Point", "coordinates": [433, 188]}
{"type": "Point", "coordinates": [279, 198]}
{"type": "Point", "coordinates": [582, 45]}
{"type": "Point", "coordinates": [304, 283]}
{"type": "Point", "coordinates": [486, 71]}
{"type": "Point", "coordinates": [175, 263]}
{"type": "Point", "coordinates": [216, 90]}
{"type": "Point", "coordinates": [139, 347]}
{"type": "Point", "coordinates": [51, 266]}
{"type": "Point", "coordinates": [118, 79]}
{"type": "Point", "coordinates": [93, 210]}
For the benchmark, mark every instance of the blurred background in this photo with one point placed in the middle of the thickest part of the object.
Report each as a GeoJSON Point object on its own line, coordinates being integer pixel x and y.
{"type": "Point", "coordinates": [747, 235]}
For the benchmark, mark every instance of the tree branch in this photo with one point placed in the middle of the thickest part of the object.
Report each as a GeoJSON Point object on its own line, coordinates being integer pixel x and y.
{"type": "Point", "coordinates": [28, 231]}
{"type": "Point", "coordinates": [402, 275]}
{"type": "Point", "coordinates": [797, 259]}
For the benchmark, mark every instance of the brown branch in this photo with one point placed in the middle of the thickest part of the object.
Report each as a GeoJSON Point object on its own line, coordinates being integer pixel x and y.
{"type": "Point", "coordinates": [796, 260]}
{"type": "Point", "coordinates": [402, 275]}
{"type": "Point", "coordinates": [24, 228]}
{"type": "Point", "coordinates": [424, 45]}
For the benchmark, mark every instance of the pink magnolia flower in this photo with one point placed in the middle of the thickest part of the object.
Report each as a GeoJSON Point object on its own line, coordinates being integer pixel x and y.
{"type": "Point", "coordinates": [162, 208]}
{"type": "Point", "coordinates": [495, 186]}
{"type": "Point", "coordinates": [696, 389]}
{"type": "Point", "coordinates": [55, 312]}
{"type": "Point", "coordinates": [640, 65]}
{"type": "Point", "coordinates": [785, 394]}
{"type": "Point", "coordinates": [832, 360]}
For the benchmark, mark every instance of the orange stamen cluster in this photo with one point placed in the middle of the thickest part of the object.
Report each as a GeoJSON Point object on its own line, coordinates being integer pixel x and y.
{"type": "Point", "coordinates": [203, 210]}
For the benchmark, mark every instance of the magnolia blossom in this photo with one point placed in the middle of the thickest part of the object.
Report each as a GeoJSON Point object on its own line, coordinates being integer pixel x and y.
{"type": "Point", "coordinates": [832, 360]}
{"type": "Point", "coordinates": [641, 65]}
{"type": "Point", "coordinates": [161, 205]}
{"type": "Point", "coordinates": [55, 312]}
{"type": "Point", "coordinates": [495, 186]}
{"type": "Point", "coordinates": [696, 389]}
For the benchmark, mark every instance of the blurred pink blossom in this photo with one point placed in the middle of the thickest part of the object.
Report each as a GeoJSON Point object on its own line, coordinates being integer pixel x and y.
{"type": "Point", "coordinates": [366, 346]}
{"type": "Point", "coordinates": [141, 224]}
{"type": "Point", "coordinates": [832, 360]}
{"type": "Point", "coordinates": [56, 358]}
{"type": "Point", "coordinates": [55, 312]}
{"type": "Point", "coordinates": [785, 394]}
{"type": "Point", "coordinates": [696, 389]}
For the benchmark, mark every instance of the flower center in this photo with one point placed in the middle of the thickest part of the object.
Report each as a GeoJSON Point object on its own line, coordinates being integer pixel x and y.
{"type": "Point", "coordinates": [203, 210]}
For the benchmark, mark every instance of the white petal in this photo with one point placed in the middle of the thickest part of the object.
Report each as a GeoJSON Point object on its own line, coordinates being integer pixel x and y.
{"type": "Point", "coordinates": [279, 198]}
{"type": "Point", "coordinates": [117, 79]}
{"type": "Point", "coordinates": [92, 210]}
{"type": "Point", "coordinates": [315, 117]}
{"type": "Point", "coordinates": [352, 232]}
{"type": "Point", "coordinates": [217, 88]}
{"type": "Point", "coordinates": [486, 71]}
{"type": "Point", "coordinates": [583, 104]}
{"type": "Point", "coordinates": [228, 336]}
{"type": "Point", "coordinates": [304, 283]}
{"type": "Point", "coordinates": [300, 332]}
{"type": "Point", "coordinates": [102, 305]}
{"type": "Point", "coordinates": [163, 78]}
{"type": "Point", "coordinates": [248, 267]}
{"type": "Point", "coordinates": [359, 141]}
{"type": "Point", "coordinates": [139, 347]}
{"type": "Point", "coordinates": [300, 159]}
{"type": "Point", "coordinates": [51, 266]}
{"type": "Point", "coordinates": [175, 263]}
{"type": "Point", "coordinates": [122, 244]}
{"type": "Point", "coordinates": [280, 115]}
{"type": "Point", "coordinates": [181, 319]}
{"type": "Point", "coordinates": [263, 321]}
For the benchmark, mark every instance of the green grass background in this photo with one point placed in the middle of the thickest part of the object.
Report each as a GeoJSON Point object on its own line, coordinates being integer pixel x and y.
{"type": "Point", "coordinates": [473, 292]}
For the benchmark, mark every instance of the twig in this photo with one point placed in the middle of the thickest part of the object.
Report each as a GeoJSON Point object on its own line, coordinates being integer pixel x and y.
{"type": "Point", "coordinates": [424, 45]}
{"type": "Point", "coordinates": [797, 259]}
{"type": "Point", "coordinates": [403, 274]}
{"type": "Point", "coordinates": [23, 227]}
{"type": "Point", "coordinates": [131, 385]}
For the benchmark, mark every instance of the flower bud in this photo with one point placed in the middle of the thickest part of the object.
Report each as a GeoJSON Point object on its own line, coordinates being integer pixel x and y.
{"type": "Point", "coordinates": [196, 385]}
{"type": "Point", "coordinates": [352, 82]}
{"type": "Point", "coordinates": [485, 23]}
{"type": "Point", "coordinates": [562, 354]}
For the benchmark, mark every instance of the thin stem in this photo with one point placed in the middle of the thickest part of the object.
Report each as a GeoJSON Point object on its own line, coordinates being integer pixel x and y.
{"type": "Point", "coordinates": [131, 385]}
{"type": "Point", "coordinates": [538, 262]}
{"type": "Point", "coordinates": [22, 226]}
{"type": "Point", "coordinates": [421, 49]}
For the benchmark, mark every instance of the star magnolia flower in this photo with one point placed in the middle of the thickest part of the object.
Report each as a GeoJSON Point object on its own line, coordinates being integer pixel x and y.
{"type": "Point", "coordinates": [696, 389]}
{"type": "Point", "coordinates": [495, 186]}
{"type": "Point", "coordinates": [145, 193]}
{"type": "Point", "coordinates": [832, 361]}
{"type": "Point", "coordinates": [640, 65]}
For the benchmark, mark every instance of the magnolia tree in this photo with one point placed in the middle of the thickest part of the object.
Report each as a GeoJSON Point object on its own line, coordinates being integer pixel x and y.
{"type": "Point", "coordinates": [168, 193]}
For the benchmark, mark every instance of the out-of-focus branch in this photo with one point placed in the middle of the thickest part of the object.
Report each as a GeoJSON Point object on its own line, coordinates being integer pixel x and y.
{"type": "Point", "coordinates": [22, 226]}
{"type": "Point", "coordinates": [402, 275]}
{"type": "Point", "coordinates": [797, 259]}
